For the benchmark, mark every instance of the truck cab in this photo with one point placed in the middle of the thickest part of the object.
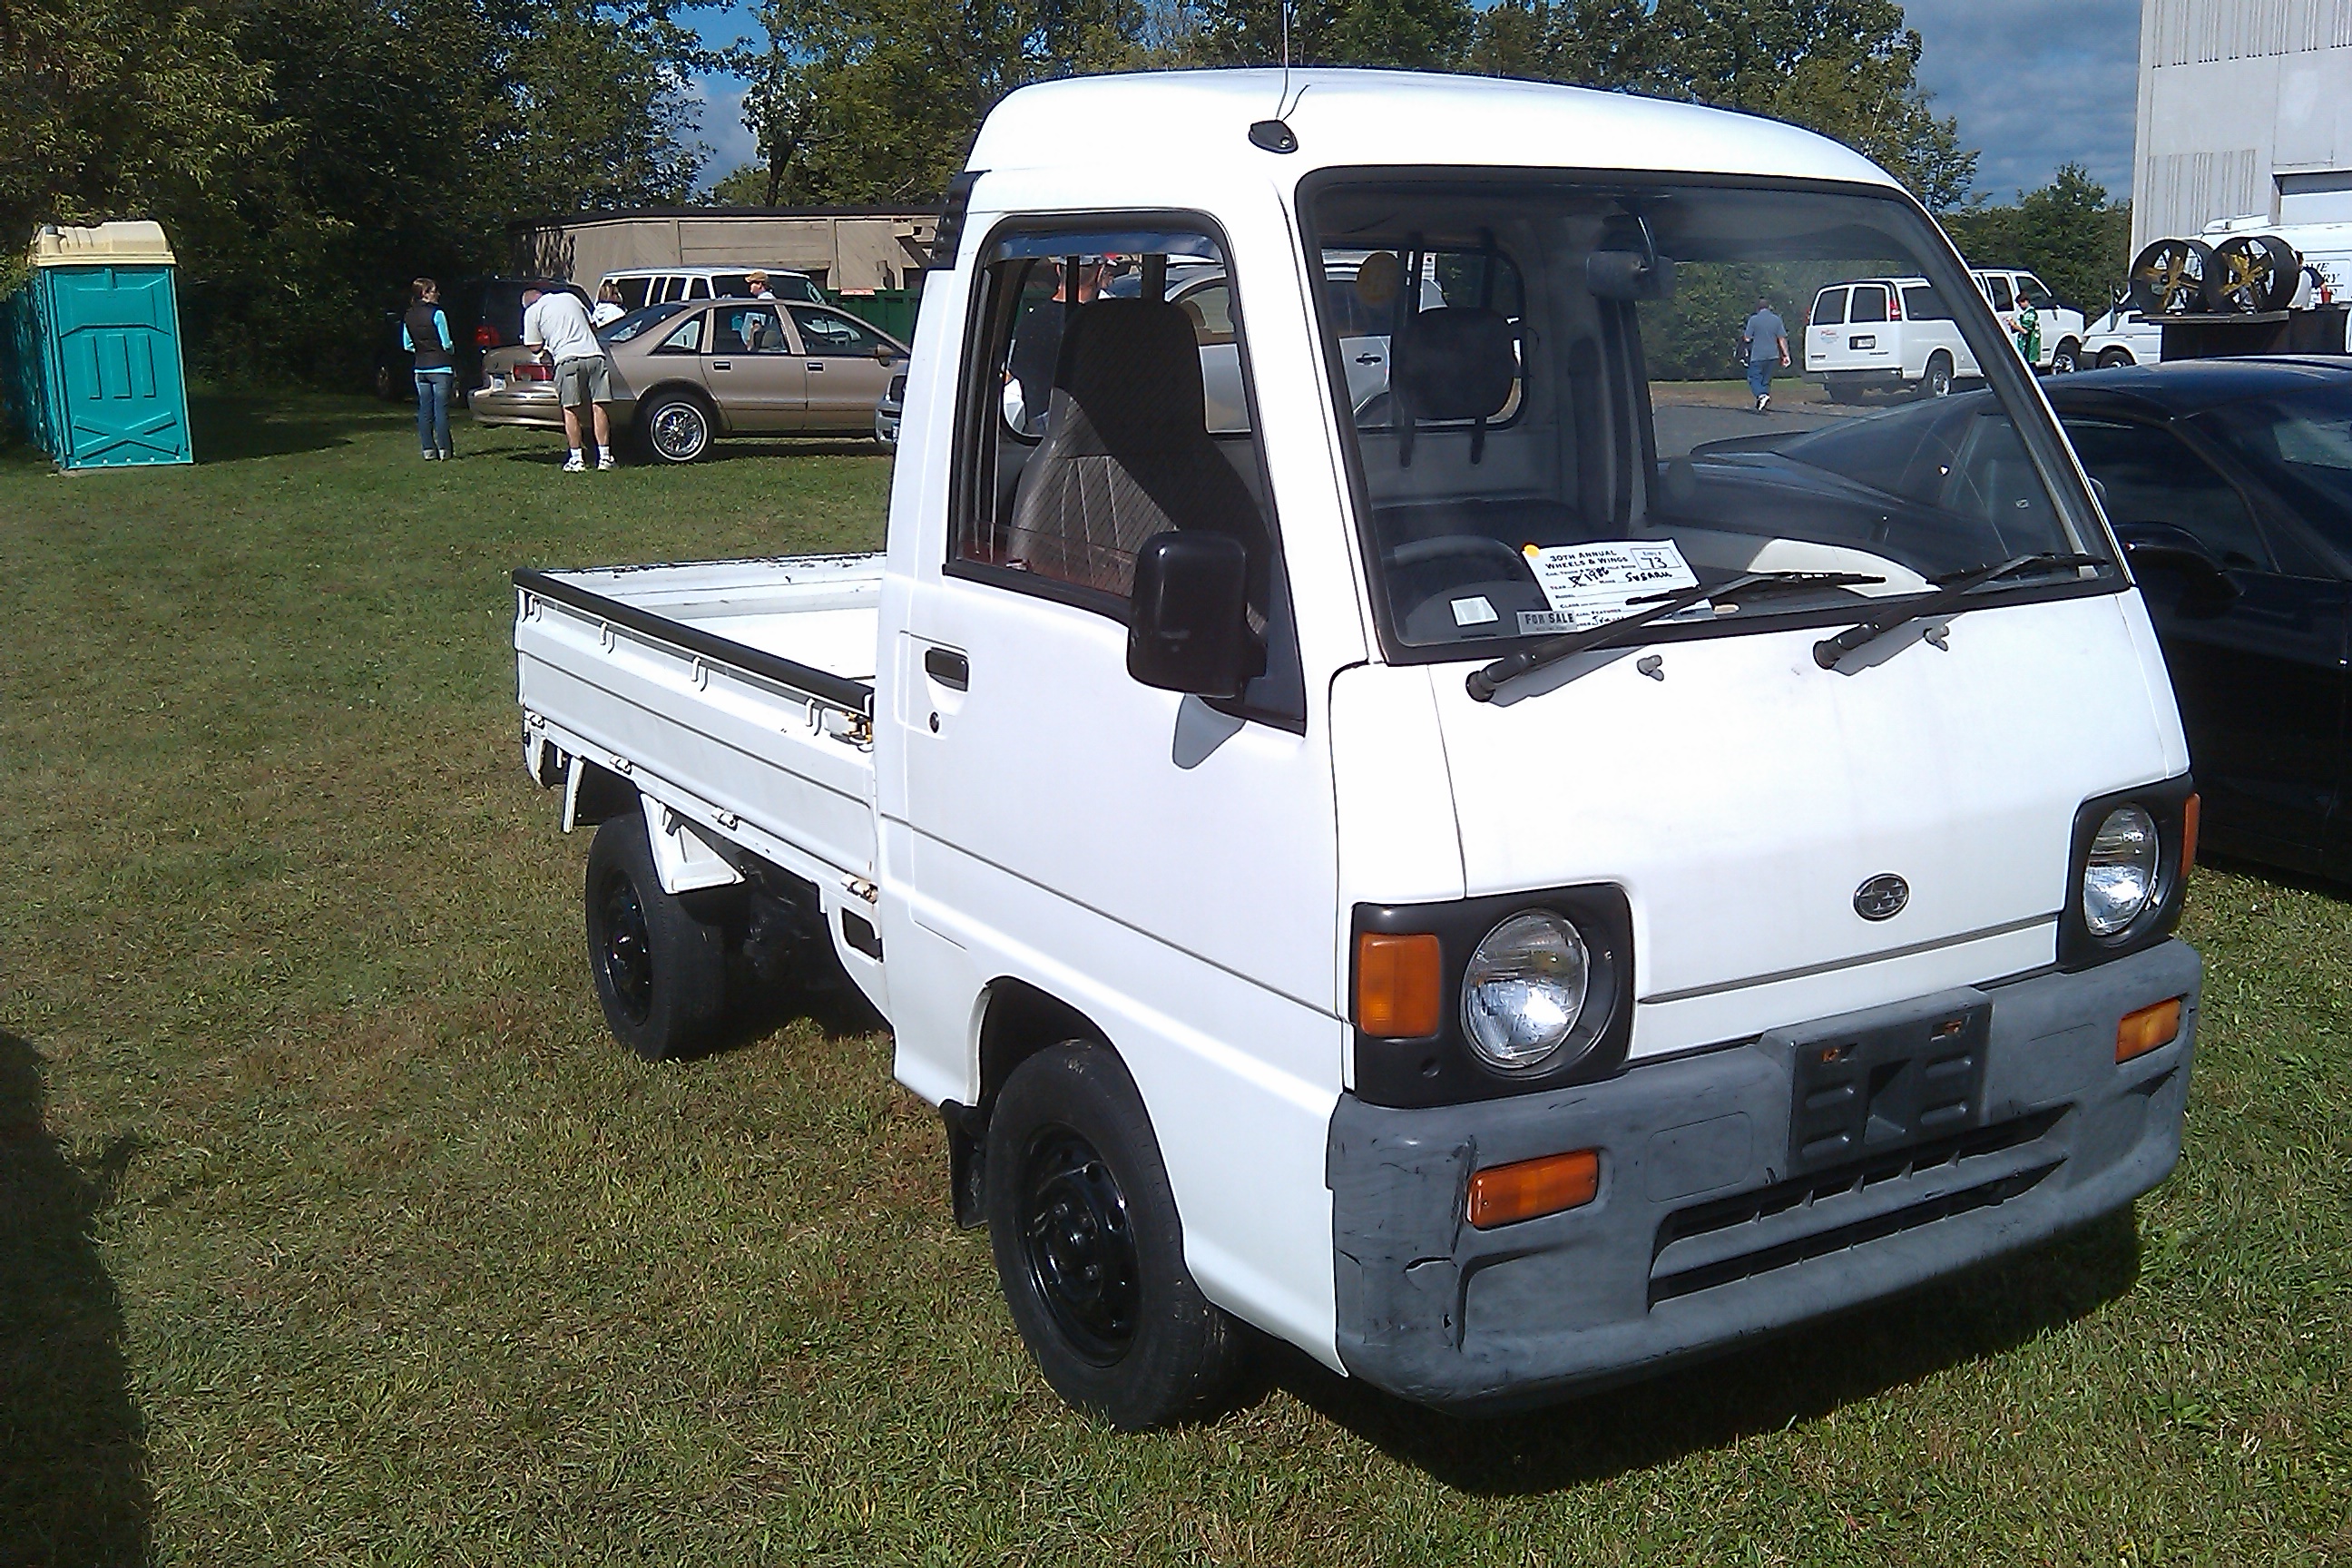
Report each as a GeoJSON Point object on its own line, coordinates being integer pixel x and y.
{"type": "Point", "coordinates": [1503, 883]}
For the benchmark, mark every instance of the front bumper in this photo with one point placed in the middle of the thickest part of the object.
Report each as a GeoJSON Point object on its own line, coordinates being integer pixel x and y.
{"type": "Point", "coordinates": [1698, 1237]}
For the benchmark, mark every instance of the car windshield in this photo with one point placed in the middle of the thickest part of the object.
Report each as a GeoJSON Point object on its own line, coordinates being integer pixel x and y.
{"type": "Point", "coordinates": [635, 324]}
{"type": "Point", "coordinates": [1571, 418]}
{"type": "Point", "coordinates": [2304, 437]}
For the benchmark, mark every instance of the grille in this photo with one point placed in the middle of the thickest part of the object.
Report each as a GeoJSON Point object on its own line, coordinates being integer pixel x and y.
{"type": "Point", "coordinates": [1821, 1192]}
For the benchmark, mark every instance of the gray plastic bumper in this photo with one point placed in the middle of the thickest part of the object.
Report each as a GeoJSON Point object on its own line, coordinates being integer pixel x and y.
{"type": "Point", "coordinates": [1700, 1237]}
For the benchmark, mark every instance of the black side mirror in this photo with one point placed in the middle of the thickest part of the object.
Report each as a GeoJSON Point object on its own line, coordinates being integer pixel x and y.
{"type": "Point", "coordinates": [2161, 547]}
{"type": "Point", "coordinates": [1187, 627]}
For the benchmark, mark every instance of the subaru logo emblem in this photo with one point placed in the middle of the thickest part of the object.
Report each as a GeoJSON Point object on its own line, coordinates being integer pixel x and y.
{"type": "Point", "coordinates": [1882, 898]}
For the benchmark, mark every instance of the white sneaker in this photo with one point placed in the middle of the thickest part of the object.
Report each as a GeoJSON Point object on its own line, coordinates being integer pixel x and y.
{"type": "Point", "coordinates": [1764, 403]}
{"type": "Point", "coordinates": [431, 456]}
{"type": "Point", "coordinates": [573, 465]}
{"type": "Point", "coordinates": [605, 464]}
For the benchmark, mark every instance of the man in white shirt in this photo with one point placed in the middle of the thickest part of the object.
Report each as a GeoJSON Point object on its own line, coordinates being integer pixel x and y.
{"type": "Point", "coordinates": [556, 325]}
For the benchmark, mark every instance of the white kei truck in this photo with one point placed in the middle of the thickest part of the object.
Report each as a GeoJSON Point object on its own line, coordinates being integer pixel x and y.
{"type": "Point", "coordinates": [1506, 887]}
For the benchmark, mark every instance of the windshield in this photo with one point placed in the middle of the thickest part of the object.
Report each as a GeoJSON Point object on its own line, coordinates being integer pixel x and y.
{"type": "Point", "coordinates": [1601, 390]}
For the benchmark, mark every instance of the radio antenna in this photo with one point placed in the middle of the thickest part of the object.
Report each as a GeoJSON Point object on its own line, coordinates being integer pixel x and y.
{"type": "Point", "coordinates": [1273, 135]}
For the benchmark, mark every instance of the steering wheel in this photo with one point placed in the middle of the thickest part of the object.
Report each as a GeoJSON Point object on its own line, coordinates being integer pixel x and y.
{"type": "Point", "coordinates": [1481, 547]}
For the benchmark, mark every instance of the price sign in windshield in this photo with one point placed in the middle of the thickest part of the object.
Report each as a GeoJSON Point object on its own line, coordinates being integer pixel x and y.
{"type": "Point", "coordinates": [1586, 584]}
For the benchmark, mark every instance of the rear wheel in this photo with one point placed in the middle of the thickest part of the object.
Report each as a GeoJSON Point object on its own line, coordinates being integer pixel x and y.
{"type": "Point", "coordinates": [660, 971]}
{"type": "Point", "coordinates": [1089, 1249]}
{"type": "Point", "coordinates": [675, 426]}
{"type": "Point", "coordinates": [1937, 382]}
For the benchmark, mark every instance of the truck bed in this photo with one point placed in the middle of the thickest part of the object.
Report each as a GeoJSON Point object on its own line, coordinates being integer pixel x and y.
{"type": "Point", "coordinates": [738, 693]}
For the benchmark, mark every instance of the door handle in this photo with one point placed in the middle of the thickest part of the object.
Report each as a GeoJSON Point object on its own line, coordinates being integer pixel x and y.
{"type": "Point", "coordinates": [948, 667]}
{"type": "Point", "coordinates": [1368, 359]}
{"type": "Point", "coordinates": [722, 364]}
{"type": "Point", "coordinates": [816, 364]}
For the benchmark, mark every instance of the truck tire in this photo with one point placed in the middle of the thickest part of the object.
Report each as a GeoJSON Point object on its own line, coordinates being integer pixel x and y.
{"type": "Point", "coordinates": [1089, 1249]}
{"type": "Point", "coordinates": [2066, 358]}
{"type": "Point", "coordinates": [2111, 357]}
{"type": "Point", "coordinates": [660, 972]}
{"type": "Point", "coordinates": [675, 426]}
{"type": "Point", "coordinates": [1937, 382]}
{"type": "Point", "coordinates": [2170, 278]}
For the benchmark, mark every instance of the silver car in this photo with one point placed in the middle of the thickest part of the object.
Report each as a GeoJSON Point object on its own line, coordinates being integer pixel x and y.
{"type": "Point", "coordinates": [686, 373]}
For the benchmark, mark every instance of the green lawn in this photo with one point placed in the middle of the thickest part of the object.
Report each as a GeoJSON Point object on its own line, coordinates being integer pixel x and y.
{"type": "Point", "coordinates": [333, 1230]}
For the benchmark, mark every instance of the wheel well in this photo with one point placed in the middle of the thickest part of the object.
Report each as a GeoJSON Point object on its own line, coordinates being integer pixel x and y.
{"type": "Point", "coordinates": [1021, 1021]}
{"type": "Point", "coordinates": [602, 794]}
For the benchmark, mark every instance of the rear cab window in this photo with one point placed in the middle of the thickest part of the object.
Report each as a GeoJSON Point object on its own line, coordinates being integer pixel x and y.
{"type": "Point", "coordinates": [1869, 302]}
{"type": "Point", "coordinates": [1829, 309]}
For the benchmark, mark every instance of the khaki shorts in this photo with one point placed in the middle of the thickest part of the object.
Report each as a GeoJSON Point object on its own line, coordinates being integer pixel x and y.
{"type": "Point", "coordinates": [586, 378]}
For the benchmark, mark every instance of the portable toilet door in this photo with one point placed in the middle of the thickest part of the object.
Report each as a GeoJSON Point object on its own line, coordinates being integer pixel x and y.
{"type": "Point", "coordinates": [111, 325]}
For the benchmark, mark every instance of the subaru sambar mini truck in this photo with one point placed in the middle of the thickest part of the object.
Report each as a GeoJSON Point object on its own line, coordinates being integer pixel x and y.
{"type": "Point", "coordinates": [1487, 864]}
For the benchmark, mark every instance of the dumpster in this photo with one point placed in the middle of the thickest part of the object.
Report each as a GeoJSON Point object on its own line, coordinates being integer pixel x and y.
{"type": "Point", "coordinates": [92, 343]}
{"type": "Point", "coordinates": [891, 310]}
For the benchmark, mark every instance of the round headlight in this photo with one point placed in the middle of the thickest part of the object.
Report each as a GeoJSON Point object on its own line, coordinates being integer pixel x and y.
{"type": "Point", "coordinates": [1524, 990]}
{"type": "Point", "coordinates": [2120, 878]}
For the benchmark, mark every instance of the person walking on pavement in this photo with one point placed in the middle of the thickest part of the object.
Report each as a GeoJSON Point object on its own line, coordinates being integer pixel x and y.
{"type": "Point", "coordinates": [556, 325]}
{"type": "Point", "coordinates": [1766, 339]}
{"type": "Point", "coordinates": [424, 334]}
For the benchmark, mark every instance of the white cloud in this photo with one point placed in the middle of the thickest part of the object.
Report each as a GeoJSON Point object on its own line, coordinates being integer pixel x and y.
{"type": "Point", "coordinates": [723, 130]}
{"type": "Point", "coordinates": [2035, 83]}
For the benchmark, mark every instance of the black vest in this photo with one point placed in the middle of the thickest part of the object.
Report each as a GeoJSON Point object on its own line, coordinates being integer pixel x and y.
{"type": "Point", "coordinates": [430, 354]}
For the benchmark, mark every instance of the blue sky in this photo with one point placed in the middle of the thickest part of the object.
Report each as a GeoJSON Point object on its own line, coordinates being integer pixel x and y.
{"type": "Point", "coordinates": [2034, 83]}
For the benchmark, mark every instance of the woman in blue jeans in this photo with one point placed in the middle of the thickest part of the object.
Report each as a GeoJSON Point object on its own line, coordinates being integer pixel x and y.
{"type": "Point", "coordinates": [425, 332]}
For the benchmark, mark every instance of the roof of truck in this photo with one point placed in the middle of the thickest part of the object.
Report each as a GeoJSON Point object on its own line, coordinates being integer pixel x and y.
{"type": "Point", "coordinates": [1379, 118]}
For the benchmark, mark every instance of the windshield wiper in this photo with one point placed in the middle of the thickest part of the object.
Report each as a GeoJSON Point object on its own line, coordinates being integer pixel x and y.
{"type": "Point", "coordinates": [1951, 596]}
{"type": "Point", "coordinates": [1484, 682]}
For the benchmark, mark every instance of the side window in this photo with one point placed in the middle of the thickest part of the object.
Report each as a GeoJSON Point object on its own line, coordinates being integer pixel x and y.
{"type": "Point", "coordinates": [1922, 303]}
{"type": "Point", "coordinates": [697, 288]}
{"type": "Point", "coordinates": [686, 338]}
{"type": "Point", "coordinates": [2152, 477]}
{"type": "Point", "coordinates": [1997, 290]}
{"type": "Point", "coordinates": [1210, 307]}
{"type": "Point", "coordinates": [731, 285]}
{"type": "Point", "coordinates": [632, 292]}
{"type": "Point", "coordinates": [832, 333]}
{"type": "Point", "coordinates": [1869, 303]}
{"type": "Point", "coordinates": [1829, 311]}
{"type": "Point", "coordinates": [2029, 290]}
{"type": "Point", "coordinates": [748, 329]}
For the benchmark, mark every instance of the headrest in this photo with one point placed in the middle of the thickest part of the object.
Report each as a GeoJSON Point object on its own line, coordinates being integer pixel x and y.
{"type": "Point", "coordinates": [1456, 362]}
{"type": "Point", "coordinates": [1133, 369]}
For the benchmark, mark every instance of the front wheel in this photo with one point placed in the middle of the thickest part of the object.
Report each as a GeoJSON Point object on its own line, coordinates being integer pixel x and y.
{"type": "Point", "coordinates": [1089, 1249]}
{"type": "Point", "coordinates": [2110, 359]}
{"type": "Point", "coordinates": [676, 427]}
{"type": "Point", "coordinates": [2066, 359]}
{"type": "Point", "coordinates": [660, 971]}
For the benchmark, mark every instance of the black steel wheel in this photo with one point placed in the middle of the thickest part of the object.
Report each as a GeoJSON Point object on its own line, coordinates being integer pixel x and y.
{"type": "Point", "coordinates": [660, 970]}
{"type": "Point", "coordinates": [1089, 1249]}
{"type": "Point", "coordinates": [2254, 273]}
{"type": "Point", "coordinates": [675, 427]}
{"type": "Point", "coordinates": [2170, 278]}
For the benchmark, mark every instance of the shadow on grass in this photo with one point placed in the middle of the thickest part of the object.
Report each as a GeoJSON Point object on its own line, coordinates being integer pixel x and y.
{"type": "Point", "coordinates": [231, 426]}
{"type": "Point", "coordinates": [2302, 881]}
{"type": "Point", "coordinates": [553, 453]}
{"type": "Point", "coordinates": [1765, 1386]}
{"type": "Point", "coordinates": [73, 1485]}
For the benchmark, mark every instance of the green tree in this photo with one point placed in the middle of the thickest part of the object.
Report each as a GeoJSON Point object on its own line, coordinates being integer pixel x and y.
{"type": "Point", "coordinates": [2067, 233]}
{"type": "Point", "coordinates": [1422, 34]}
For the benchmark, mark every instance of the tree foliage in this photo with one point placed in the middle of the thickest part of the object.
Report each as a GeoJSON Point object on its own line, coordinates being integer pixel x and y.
{"type": "Point", "coordinates": [2067, 233]}
{"type": "Point", "coordinates": [307, 157]}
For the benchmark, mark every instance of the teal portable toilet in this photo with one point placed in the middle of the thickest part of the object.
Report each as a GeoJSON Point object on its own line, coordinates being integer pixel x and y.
{"type": "Point", "coordinates": [93, 346]}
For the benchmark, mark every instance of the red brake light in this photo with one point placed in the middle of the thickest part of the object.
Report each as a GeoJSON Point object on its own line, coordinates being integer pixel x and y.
{"type": "Point", "coordinates": [486, 336]}
{"type": "Point", "coordinates": [1893, 306]}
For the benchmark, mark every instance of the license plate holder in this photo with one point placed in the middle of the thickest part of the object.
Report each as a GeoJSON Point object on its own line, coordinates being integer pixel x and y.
{"type": "Point", "coordinates": [1880, 1083]}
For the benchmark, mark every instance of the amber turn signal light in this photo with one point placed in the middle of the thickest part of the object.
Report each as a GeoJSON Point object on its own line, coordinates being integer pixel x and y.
{"type": "Point", "coordinates": [1502, 1195]}
{"type": "Point", "coordinates": [2189, 834]}
{"type": "Point", "coordinates": [1399, 986]}
{"type": "Point", "coordinates": [2142, 1031]}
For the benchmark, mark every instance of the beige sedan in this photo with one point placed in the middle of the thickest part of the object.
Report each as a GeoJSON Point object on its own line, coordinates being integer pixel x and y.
{"type": "Point", "coordinates": [687, 373]}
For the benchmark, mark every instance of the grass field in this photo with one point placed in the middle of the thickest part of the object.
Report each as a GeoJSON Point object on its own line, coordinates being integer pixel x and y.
{"type": "Point", "coordinates": [334, 1230]}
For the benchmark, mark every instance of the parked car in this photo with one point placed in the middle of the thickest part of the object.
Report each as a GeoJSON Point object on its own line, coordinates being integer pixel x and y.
{"type": "Point", "coordinates": [887, 412]}
{"type": "Point", "coordinates": [484, 314]}
{"type": "Point", "coordinates": [1884, 334]}
{"type": "Point", "coordinates": [1497, 901]}
{"type": "Point", "coordinates": [2229, 482]}
{"type": "Point", "coordinates": [642, 286]}
{"type": "Point", "coordinates": [2123, 336]}
{"type": "Point", "coordinates": [686, 374]}
{"type": "Point", "coordinates": [2059, 323]}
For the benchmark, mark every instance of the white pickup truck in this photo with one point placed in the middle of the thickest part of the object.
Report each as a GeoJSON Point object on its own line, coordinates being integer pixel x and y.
{"type": "Point", "coordinates": [1507, 885]}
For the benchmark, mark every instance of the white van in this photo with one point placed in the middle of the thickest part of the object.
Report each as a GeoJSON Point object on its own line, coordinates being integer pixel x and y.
{"type": "Point", "coordinates": [643, 286]}
{"type": "Point", "coordinates": [1502, 890]}
{"type": "Point", "coordinates": [1885, 334]}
